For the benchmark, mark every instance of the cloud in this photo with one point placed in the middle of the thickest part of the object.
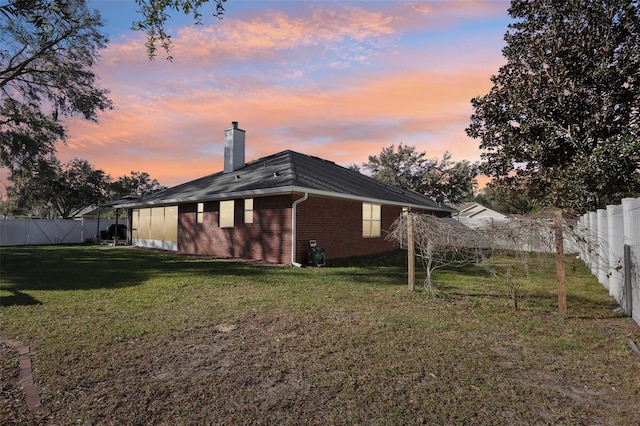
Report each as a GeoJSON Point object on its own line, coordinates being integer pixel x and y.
{"type": "Point", "coordinates": [339, 84]}
{"type": "Point", "coordinates": [345, 124]}
{"type": "Point", "coordinates": [267, 34]}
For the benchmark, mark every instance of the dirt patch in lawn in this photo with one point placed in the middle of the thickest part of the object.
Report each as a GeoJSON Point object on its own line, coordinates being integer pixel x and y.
{"type": "Point", "coordinates": [324, 368]}
{"type": "Point", "coordinates": [13, 406]}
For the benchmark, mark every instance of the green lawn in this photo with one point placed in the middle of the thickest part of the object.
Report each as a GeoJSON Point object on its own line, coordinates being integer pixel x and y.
{"type": "Point", "coordinates": [130, 336]}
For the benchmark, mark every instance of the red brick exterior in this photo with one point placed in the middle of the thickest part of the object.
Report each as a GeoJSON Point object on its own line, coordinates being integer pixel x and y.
{"type": "Point", "coordinates": [268, 238]}
{"type": "Point", "coordinates": [336, 225]}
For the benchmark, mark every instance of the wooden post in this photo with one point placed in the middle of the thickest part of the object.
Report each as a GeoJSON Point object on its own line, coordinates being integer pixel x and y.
{"type": "Point", "coordinates": [562, 291]}
{"type": "Point", "coordinates": [411, 258]}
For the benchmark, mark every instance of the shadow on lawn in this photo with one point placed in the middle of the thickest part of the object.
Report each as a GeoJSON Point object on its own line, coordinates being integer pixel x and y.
{"type": "Point", "coordinates": [18, 298]}
{"type": "Point", "coordinates": [93, 267]}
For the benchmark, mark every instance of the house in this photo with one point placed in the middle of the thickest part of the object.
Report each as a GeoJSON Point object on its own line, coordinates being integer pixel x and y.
{"type": "Point", "coordinates": [475, 215]}
{"type": "Point", "coordinates": [269, 209]}
{"type": "Point", "coordinates": [477, 210]}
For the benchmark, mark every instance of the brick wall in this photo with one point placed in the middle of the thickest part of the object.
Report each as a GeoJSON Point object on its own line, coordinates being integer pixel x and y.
{"type": "Point", "coordinates": [336, 225]}
{"type": "Point", "coordinates": [268, 238]}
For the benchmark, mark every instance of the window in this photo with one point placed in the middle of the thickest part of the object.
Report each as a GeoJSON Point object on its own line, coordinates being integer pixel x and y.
{"type": "Point", "coordinates": [157, 223]}
{"type": "Point", "coordinates": [371, 220]}
{"type": "Point", "coordinates": [248, 210]}
{"type": "Point", "coordinates": [144, 224]}
{"type": "Point", "coordinates": [200, 213]}
{"type": "Point", "coordinates": [225, 217]}
{"type": "Point", "coordinates": [135, 223]}
{"type": "Point", "coordinates": [171, 223]}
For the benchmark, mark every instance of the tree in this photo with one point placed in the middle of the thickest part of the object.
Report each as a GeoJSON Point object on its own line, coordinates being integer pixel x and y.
{"type": "Point", "coordinates": [78, 186]}
{"type": "Point", "coordinates": [47, 49]}
{"type": "Point", "coordinates": [155, 15]}
{"type": "Point", "coordinates": [137, 184]}
{"type": "Point", "coordinates": [451, 181]}
{"type": "Point", "coordinates": [30, 187]}
{"type": "Point", "coordinates": [522, 238]}
{"type": "Point", "coordinates": [403, 167]}
{"type": "Point", "coordinates": [505, 200]}
{"type": "Point", "coordinates": [442, 180]}
{"type": "Point", "coordinates": [437, 243]}
{"type": "Point", "coordinates": [562, 116]}
{"type": "Point", "coordinates": [57, 190]}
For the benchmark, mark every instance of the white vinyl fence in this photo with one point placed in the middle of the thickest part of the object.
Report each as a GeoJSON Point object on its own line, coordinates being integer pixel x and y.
{"type": "Point", "coordinates": [21, 232]}
{"type": "Point", "coordinates": [479, 222]}
{"type": "Point", "coordinates": [612, 251]}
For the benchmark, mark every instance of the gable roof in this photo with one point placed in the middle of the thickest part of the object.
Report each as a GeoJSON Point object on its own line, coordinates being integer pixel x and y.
{"type": "Point", "coordinates": [471, 209]}
{"type": "Point", "coordinates": [284, 173]}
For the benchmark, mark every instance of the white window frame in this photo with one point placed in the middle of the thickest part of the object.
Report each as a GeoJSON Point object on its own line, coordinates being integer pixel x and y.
{"type": "Point", "coordinates": [200, 213]}
{"type": "Point", "coordinates": [226, 214]}
{"type": "Point", "coordinates": [371, 220]}
{"type": "Point", "coordinates": [248, 210]}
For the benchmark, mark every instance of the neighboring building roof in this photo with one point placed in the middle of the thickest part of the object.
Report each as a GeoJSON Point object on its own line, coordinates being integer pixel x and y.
{"type": "Point", "coordinates": [472, 210]}
{"type": "Point", "coordinates": [288, 172]}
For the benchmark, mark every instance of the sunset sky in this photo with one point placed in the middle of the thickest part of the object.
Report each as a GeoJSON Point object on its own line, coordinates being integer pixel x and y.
{"type": "Point", "coordinates": [335, 79]}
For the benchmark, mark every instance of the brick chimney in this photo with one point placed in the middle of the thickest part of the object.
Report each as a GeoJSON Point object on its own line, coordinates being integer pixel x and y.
{"type": "Point", "coordinates": [233, 148]}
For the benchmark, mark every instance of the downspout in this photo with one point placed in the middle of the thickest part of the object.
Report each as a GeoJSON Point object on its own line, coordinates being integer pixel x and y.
{"type": "Point", "coordinates": [293, 229]}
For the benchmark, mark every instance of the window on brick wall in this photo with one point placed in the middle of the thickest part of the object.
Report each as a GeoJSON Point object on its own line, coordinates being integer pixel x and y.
{"type": "Point", "coordinates": [226, 219]}
{"type": "Point", "coordinates": [200, 213]}
{"type": "Point", "coordinates": [371, 220]}
{"type": "Point", "coordinates": [248, 210]}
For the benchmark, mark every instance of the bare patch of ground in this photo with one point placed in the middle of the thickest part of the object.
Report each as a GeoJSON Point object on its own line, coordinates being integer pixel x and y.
{"type": "Point", "coordinates": [323, 368]}
{"type": "Point", "coordinates": [13, 406]}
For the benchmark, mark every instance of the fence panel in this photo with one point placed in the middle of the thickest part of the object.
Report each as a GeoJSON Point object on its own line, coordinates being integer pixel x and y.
{"type": "Point", "coordinates": [593, 238]}
{"type": "Point", "coordinates": [603, 251]}
{"type": "Point", "coordinates": [41, 232]}
{"type": "Point", "coordinates": [631, 212]}
{"type": "Point", "coordinates": [19, 232]}
{"type": "Point", "coordinates": [615, 226]}
{"type": "Point", "coordinates": [612, 251]}
{"type": "Point", "coordinates": [14, 232]}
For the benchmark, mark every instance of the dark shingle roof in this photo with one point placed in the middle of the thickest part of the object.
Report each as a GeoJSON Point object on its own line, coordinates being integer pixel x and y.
{"type": "Point", "coordinates": [286, 172]}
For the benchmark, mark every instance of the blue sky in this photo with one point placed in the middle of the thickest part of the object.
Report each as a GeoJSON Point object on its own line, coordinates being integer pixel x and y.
{"type": "Point", "coordinates": [335, 79]}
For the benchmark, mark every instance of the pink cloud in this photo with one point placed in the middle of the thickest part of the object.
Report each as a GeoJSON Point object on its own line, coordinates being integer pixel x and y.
{"type": "Point", "coordinates": [344, 125]}
{"type": "Point", "coordinates": [169, 117]}
{"type": "Point", "coordinates": [267, 34]}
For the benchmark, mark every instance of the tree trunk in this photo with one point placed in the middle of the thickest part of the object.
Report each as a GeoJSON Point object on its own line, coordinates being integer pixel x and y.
{"type": "Point", "coordinates": [429, 282]}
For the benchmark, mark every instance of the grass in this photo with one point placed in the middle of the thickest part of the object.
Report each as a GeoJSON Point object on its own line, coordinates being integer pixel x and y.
{"type": "Point", "coordinates": [129, 336]}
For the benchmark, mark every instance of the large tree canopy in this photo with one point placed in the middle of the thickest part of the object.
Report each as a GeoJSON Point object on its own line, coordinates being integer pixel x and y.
{"type": "Point", "coordinates": [51, 189]}
{"type": "Point", "coordinates": [441, 179]}
{"type": "Point", "coordinates": [47, 49]}
{"type": "Point", "coordinates": [55, 190]}
{"type": "Point", "coordinates": [562, 116]}
{"type": "Point", "coordinates": [505, 200]}
{"type": "Point", "coordinates": [136, 184]}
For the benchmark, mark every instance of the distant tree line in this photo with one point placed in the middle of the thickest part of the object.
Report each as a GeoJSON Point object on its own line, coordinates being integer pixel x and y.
{"type": "Point", "coordinates": [62, 190]}
{"type": "Point", "coordinates": [441, 179]}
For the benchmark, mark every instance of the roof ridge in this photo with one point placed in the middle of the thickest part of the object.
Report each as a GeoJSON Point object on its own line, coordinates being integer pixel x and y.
{"type": "Point", "coordinates": [293, 171]}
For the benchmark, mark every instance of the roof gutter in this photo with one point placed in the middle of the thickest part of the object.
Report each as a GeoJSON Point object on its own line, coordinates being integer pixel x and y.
{"type": "Point", "coordinates": [293, 228]}
{"type": "Point", "coordinates": [281, 191]}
